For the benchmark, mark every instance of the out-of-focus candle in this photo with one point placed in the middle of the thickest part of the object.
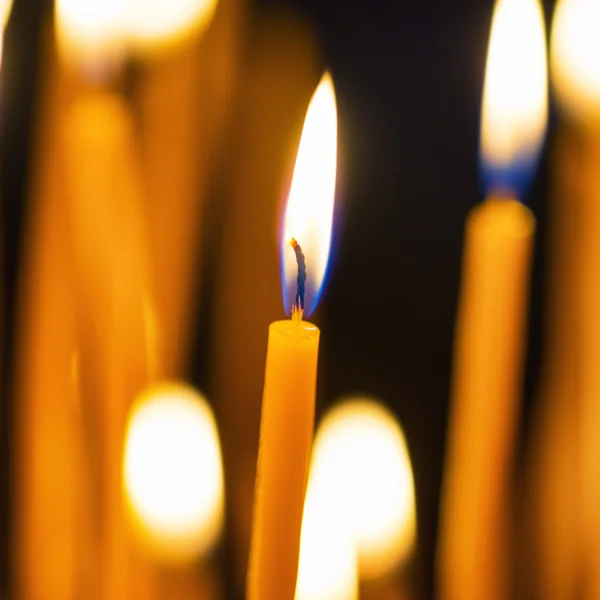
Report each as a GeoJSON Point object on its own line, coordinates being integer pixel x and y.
{"type": "Point", "coordinates": [291, 370]}
{"type": "Point", "coordinates": [361, 467]}
{"type": "Point", "coordinates": [490, 333]}
{"type": "Point", "coordinates": [172, 472]}
{"type": "Point", "coordinates": [576, 74]}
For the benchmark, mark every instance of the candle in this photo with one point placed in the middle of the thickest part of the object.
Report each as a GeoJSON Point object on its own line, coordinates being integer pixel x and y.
{"type": "Point", "coordinates": [191, 79]}
{"type": "Point", "coordinates": [290, 377]}
{"type": "Point", "coordinates": [490, 331]}
{"type": "Point", "coordinates": [279, 73]}
{"type": "Point", "coordinates": [576, 71]}
{"type": "Point", "coordinates": [559, 524]}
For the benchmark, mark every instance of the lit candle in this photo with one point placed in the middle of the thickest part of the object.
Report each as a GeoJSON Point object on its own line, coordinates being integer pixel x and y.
{"type": "Point", "coordinates": [189, 52]}
{"type": "Point", "coordinates": [557, 523]}
{"type": "Point", "coordinates": [490, 333]}
{"type": "Point", "coordinates": [361, 470]}
{"type": "Point", "coordinates": [576, 72]}
{"type": "Point", "coordinates": [291, 370]}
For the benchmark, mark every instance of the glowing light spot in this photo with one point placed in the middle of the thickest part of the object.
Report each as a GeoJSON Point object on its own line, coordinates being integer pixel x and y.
{"type": "Point", "coordinates": [309, 211]}
{"type": "Point", "coordinates": [173, 472]}
{"type": "Point", "coordinates": [360, 464]}
{"type": "Point", "coordinates": [327, 568]}
{"type": "Point", "coordinates": [155, 24]}
{"type": "Point", "coordinates": [576, 56]}
{"type": "Point", "coordinates": [91, 33]}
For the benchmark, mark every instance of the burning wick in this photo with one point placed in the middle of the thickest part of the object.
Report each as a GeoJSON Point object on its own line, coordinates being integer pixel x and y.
{"type": "Point", "coordinates": [298, 307]}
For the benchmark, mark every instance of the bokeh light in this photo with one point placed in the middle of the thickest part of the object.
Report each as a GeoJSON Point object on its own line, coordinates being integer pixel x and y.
{"type": "Point", "coordinates": [361, 466]}
{"type": "Point", "coordinates": [328, 566]}
{"type": "Point", "coordinates": [172, 472]}
{"type": "Point", "coordinates": [575, 56]}
{"type": "Point", "coordinates": [156, 24]}
{"type": "Point", "coordinates": [91, 34]}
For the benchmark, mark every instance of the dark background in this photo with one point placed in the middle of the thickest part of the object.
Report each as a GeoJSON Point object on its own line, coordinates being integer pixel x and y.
{"type": "Point", "coordinates": [409, 78]}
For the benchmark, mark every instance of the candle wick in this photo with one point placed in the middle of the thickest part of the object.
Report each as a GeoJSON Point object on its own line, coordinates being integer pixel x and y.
{"type": "Point", "coordinates": [298, 307]}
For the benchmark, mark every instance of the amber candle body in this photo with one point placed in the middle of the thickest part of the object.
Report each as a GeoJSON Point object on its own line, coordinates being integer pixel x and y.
{"type": "Point", "coordinates": [484, 405]}
{"type": "Point", "coordinates": [286, 431]}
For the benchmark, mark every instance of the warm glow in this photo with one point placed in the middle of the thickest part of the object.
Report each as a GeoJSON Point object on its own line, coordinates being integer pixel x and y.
{"type": "Point", "coordinates": [157, 23]}
{"type": "Point", "coordinates": [309, 211]}
{"type": "Point", "coordinates": [576, 56]}
{"type": "Point", "coordinates": [5, 8]}
{"type": "Point", "coordinates": [90, 33]}
{"type": "Point", "coordinates": [360, 464]}
{"type": "Point", "coordinates": [327, 569]}
{"type": "Point", "coordinates": [172, 472]}
{"type": "Point", "coordinates": [515, 97]}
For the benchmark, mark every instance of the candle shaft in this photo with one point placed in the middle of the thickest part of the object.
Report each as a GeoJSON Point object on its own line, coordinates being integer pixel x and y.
{"type": "Point", "coordinates": [484, 405]}
{"type": "Point", "coordinates": [287, 424]}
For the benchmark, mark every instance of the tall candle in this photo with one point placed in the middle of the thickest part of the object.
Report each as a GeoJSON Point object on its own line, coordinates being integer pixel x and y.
{"type": "Point", "coordinates": [279, 74]}
{"type": "Point", "coordinates": [490, 330]}
{"type": "Point", "coordinates": [576, 72]}
{"type": "Point", "coordinates": [287, 420]}
{"type": "Point", "coordinates": [192, 81]}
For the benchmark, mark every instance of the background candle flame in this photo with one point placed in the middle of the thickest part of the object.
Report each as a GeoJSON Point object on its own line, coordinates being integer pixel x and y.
{"type": "Point", "coordinates": [91, 33]}
{"type": "Point", "coordinates": [309, 211]}
{"type": "Point", "coordinates": [515, 97]}
{"type": "Point", "coordinates": [361, 469]}
{"type": "Point", "coordinates": [172, 472]}
{"type": "Point", "coordinates": [156, 24]}
{"type": "Point", "coordinates": [576, 56]}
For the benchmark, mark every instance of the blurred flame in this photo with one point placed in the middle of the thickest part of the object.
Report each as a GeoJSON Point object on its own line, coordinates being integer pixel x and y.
{"type": "Point", "coordinates": [515, 97]}
{"type": "Point", "coordinates": [576, 55]}
{"type": "Point", "coordinates": [172, 472]}
{"type": "Point", "coordinates": [360, 464]}
{"type": "Point", "coordinates": [327, 569]}
{"type": "Point", "coordinates": [154, 23]}
{"type": "Point", "coordinates": [5, 8]}
{"type": "Point", "coordinates": [91, 33]}
{"type": "Point", "coordinates": [309, 211]}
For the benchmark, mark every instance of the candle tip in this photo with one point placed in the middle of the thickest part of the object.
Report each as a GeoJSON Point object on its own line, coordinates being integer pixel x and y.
{"type": "Point", "coordinates": [298, 307]}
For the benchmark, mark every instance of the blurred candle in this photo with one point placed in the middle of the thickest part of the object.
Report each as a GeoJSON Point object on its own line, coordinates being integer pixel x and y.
{"type": "Point", "coordinates": [490, 331]}
{"type": "Point", "coordinates": [103, 188]}
{"type": "Point", "coordinates": [290, 377]}
{"type": "Point", "coordinates": [576, 73]}
{"type": "Point", "coordinates": [188, 52]}
{"type": "Point", "coordinates": [360, 465]}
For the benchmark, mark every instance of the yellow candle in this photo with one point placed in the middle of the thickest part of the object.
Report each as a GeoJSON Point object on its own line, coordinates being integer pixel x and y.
{"type": "Point", "coordinates": [490, 332]}
{"type": "Point", "coordinates": [576, 70]}
{"type": "Point", "coordinates": [291, 371]}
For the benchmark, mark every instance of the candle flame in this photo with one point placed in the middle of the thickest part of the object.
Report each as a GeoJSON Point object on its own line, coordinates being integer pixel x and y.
{"type": "Point", "coordinates": [576, 56]}
{"type": "Point", "coordinates": [515, 97]}
{"type": "Point", "coordinates": [91, 33]}
{"type": "Point", "coordinates": [327, 568]}
{"type": "Point", "coordinates": [172, 472]}
{"type": "Point", "coordinates": [158, 24]}
{"type": "Point", "coordinates": [361, 467]}
{"type": "Point", "coordinates": [309, 212]}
